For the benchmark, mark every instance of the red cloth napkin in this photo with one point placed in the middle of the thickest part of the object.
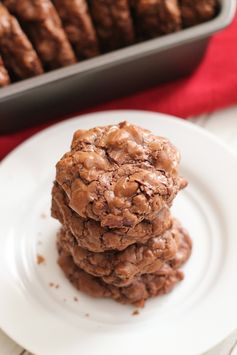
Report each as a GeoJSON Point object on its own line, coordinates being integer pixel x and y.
{"type": "Point", "coordinates": [212, 86]}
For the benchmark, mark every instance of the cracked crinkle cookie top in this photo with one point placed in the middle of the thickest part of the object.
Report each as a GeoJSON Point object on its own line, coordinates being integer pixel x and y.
{"type": "Point", "coordinates": [119, 175]}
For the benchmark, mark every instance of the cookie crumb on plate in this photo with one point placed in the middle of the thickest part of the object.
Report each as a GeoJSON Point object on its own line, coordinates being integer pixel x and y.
{"type": "Point", "coordinates": [40, 259]}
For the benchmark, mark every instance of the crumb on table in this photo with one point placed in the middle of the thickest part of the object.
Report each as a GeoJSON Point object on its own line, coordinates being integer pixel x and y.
{"type": "Point", "coordinates": [87, 315]}
{"type": "Point", "coordinates": [75, 299]}
{"type": "Point", "coordinates": [43, 215]}
{"type": "Point", "coordinates": [40, 259]}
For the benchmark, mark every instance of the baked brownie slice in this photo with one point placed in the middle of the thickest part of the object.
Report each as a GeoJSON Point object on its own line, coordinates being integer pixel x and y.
{"type": "Point", "coordinates": [4, 77]}
{"type": "Point", "coordinates": [78, 26]}
{"type": "Point", "coordinates": [90, 235]}
{"type": "Point", "coordinates": [113, 23]}
{"type": "Point", "coordinates": [119, 175]}
{"type": "Point", "coordinates": [197, 11]}
{"type": "Point", "coordinates": [120, 268]}
{"type": "Point", "coordinates": [18, 54]}
{"type": "Point", "coordinates": [156, 17]}
{"type": "Point", "coordinates": [44, 28]}
{"type": "Point", "coordinates": [142, 288]}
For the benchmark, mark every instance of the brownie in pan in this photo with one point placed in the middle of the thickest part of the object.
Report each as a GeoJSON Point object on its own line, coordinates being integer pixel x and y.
{"type": "Point", "coordinates": [156, 17]}
{"type": "Point", "coordinates": [78, 26]}
{"type": "Point", "coordinates": [44, 27]}
{"type": "Point", "coordinates": [18, 54]}
{"type": "Point", "coordinates": [113, 23]}
{"type": "Point", "coordinates": [4, 76]}
{"type": "Point", "coordinates": [198, 11]}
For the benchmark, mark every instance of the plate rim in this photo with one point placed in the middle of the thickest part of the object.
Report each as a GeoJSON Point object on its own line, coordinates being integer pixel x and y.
{"type": "Point", "coordinates": [178, 120]}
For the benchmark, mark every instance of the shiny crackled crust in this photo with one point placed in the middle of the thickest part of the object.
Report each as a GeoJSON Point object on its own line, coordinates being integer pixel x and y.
{"type": "Point", "coordinates": [198, 11]}
{"type": "Point", "coordinates": [90, 235]}
{"type": "Point", "coordinates": [120, 268]}
{"type": "Point", "coordinates": [44, 28]}
{"type": "Point", "coordinates": [119, 175]}
{"type": "Point", "coordinates": [142, 288]}
{"type": "Point", "coordinates": [17, 51]}
{"type": "Point", "coordinates": [156, 17]}
{"type": "Point", "coordinates": [4, 77]}
{"type": "Point", "coordinates": [113, 23]}
{"type": "Point", "coordinates": [78, 27]}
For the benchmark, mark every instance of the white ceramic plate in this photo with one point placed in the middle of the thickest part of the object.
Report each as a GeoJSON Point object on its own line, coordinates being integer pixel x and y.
{"type": "Point", "coordinates": [49, 320]}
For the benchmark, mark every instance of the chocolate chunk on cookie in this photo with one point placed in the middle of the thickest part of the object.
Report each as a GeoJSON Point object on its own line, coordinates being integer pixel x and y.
{"type": "Point", "coordinates": [18, 54]}
{"type": "Point", "coordinates": [44, 27]}
{"type": "Point", "coordinates": [78, 26]}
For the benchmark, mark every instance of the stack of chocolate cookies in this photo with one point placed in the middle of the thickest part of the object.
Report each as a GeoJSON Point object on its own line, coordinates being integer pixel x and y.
{"type": "Point", "coordinates": [112, 194]}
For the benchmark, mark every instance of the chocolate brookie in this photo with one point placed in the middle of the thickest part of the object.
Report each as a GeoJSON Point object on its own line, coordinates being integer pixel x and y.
{"type": "Point", "coordinates": [78, 26]}
{"type": "Point", "coordinates": [119, 175]}
{"type": "Point", "coordinates": [4, 77]}
{"type": "Point", "coordinates": [44, 28]}
{"type": "Point", "coordinates": [90, 235]}
{"type": "Point", "coordinates": [120, 268]}
{"type": "Point", "coordinates": [113, 23]}
{"type": "Point", "coordinates": [142, 288]}
{"type": "Point", "coordinates": [198, 11]}
{"type": "Point", "coordinates": [156, 17]}
{"type": "Point", "coordinates": [18, 54]}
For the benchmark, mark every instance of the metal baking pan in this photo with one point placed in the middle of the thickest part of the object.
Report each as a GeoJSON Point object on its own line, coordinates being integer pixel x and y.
{"type": "Point", "coordinates": [111, 75]}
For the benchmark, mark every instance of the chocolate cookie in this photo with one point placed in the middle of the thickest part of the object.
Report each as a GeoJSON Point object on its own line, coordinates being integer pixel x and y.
{"type": "Point", "coordinates": [78, 26]}
{"type": "Point", "coordinates": [197, 11]}
{"type": "Point", "coordinates": [142, 288]}
{"type": "Point", "coordinates": [119, 175]}
{"type": "Point", "coordinates": [156, 17]}
{"type": "Point", "coordinates": [113, 23]}
{"type": "Point", "coordinates": [18, 54]}
{"type": "Point", "coordinates": [184, 243]}
{"type": "Point", "coordinates": [120, 268]}
{"type": "Point", "coordinates": [44, 28]}
{"type": "Point", "coordinates": [4, 77]}
{"type": "Point", "coordinates": [90, 235]}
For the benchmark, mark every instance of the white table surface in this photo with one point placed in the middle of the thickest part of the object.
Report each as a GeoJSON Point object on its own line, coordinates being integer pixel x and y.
{"type": "Point", "coordinates": [224, 125]}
